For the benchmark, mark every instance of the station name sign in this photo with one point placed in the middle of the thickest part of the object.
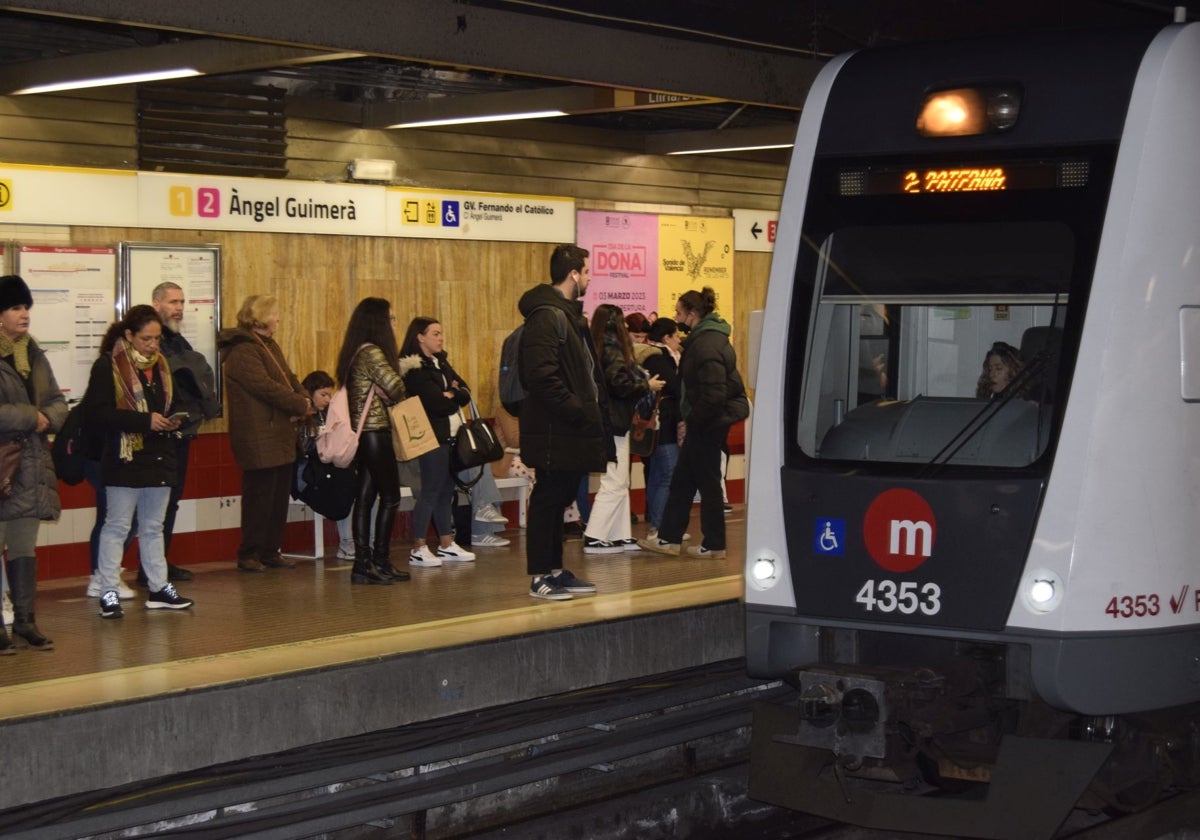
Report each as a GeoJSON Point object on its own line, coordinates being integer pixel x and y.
{"type": "Point", "coordinates": [64, 195]}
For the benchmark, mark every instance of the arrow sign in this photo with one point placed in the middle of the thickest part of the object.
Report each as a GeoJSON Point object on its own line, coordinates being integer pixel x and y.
{"type": "Point", "coordinates": [754, 230]}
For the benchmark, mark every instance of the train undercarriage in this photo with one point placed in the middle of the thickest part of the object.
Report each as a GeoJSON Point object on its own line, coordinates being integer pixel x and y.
{"type": "Point", "coordinates": [957, 747]}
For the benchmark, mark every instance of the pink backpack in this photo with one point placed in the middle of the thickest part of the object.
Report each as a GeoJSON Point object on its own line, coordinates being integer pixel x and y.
{"type": "Point", "coordinates": [337, 442]}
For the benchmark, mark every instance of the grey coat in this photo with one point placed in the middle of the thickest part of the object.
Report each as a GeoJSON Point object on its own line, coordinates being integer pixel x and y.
{"type": "Point", "coordinates": [36, 487]}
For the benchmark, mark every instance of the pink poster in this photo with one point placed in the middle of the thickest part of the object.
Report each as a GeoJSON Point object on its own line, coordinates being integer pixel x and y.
{"type": "Point", "coordinates": [623, 260]}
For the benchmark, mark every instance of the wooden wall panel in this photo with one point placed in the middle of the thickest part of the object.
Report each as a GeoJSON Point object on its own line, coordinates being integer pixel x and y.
{"type": "Point", "coordinates": [471, 287]}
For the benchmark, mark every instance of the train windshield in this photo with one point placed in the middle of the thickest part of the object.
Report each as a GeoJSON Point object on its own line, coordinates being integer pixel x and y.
{"type": "Point", "coordinates": [937, 328]}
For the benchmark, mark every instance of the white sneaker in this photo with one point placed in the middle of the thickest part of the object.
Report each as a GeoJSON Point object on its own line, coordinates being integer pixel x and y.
{"type": "Point", "coordinates": [345, 552]}
{"type": "Point", "coordinates": [424, 558]}
{"type": "Point", "coordinates": [591, 545]}
{"type": "Point", "coordinates": [488, 541]}
{"type": "Point", "coordinates": [652, 534]}
{"type": "Point", "coordinates": [123, 591]}
{"type": "Point", "coordinates": [455, 553]}
{"type": "Point", "coordinates": [489, 513]}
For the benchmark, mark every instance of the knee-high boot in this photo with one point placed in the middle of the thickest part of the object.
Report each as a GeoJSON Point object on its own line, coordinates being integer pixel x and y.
{"type": "Point", "coordinates": [6, 645]}
{"type": "Point", "coordinates": [380, 555]}
{"type": "Point", "coordinates": [22, 580]}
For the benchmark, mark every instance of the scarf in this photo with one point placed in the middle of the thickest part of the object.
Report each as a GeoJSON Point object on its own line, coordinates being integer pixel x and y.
{"type": "Point", "coordinates": [126, 362]}
{"type": "Point", "coordinates": [19, 350]}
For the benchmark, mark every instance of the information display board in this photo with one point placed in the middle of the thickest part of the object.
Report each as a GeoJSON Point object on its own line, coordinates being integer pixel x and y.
{"type": "Point", "coordinates": [73, 293]}
{"type": "Point", "coordinates": [194, 268]}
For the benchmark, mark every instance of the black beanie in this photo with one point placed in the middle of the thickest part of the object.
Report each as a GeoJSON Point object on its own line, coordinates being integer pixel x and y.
{"type": "Point", "coordinates": [14, 292]}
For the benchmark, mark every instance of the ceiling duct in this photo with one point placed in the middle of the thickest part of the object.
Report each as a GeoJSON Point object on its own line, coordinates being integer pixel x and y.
{"type": "Point", "coordinates": [212, 128]}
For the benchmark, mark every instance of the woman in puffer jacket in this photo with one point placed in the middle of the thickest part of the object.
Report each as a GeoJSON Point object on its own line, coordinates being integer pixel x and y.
{"type": "Point", "coordinates": [367, 368]}
{"type": "Point", "coordinates": [31, 407]}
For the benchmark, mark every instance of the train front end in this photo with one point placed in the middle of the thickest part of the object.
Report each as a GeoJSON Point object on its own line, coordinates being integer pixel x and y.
{"type": "Point", "coordinates": [971, 496]}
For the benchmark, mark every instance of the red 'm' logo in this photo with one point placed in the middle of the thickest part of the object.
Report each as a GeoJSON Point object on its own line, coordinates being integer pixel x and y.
{"type": "Point", "coordinates": [899, 530]}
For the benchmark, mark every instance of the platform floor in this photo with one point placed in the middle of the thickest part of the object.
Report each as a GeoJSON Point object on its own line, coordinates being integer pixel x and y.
{"type": "Point", "coordinates": [251, 626]}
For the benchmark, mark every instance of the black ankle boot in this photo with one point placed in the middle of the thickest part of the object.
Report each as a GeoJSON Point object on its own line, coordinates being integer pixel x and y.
{"type": "Point", "coordinates": [364, 571]}
{"type": "Point", "coordinates": [383, 565]}
{"type": "Point", "coordinates": [391, 573]}
{"type": "Point", "coordinates": [6, 645]}
{"type": "Point", "coordinates": [24, 627]}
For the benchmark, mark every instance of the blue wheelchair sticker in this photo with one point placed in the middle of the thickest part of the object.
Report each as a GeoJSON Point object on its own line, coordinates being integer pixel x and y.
{"type": "Point", "coordinates": [829, 536]}
{"type": "Point", "coordinates": [450, 217]}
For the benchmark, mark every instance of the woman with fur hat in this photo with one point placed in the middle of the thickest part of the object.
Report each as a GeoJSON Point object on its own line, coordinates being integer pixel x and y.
{"type": "Point", "coordinates": [428, 375]}
{"type": "Point", "coordinates": [31, 407]}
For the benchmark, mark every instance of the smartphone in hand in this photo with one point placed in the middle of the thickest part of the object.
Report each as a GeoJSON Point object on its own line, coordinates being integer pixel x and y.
{"type": "Point", "coordinates": [178, 417]}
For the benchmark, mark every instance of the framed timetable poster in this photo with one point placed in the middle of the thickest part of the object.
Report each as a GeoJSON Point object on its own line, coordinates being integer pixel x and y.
{"type": "Point", "coordinates": [194, 268]}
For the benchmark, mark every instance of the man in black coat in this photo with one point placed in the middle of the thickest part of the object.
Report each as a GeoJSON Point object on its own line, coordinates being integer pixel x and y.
{"type": "Point", "coordinates": [565, 432]}
{"type": "Point", "coordinates": [168, 300]}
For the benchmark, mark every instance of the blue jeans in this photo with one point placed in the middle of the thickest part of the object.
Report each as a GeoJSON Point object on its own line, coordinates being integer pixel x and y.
{"type": "Point", "coordinates": [484, 493]}
{"type": "Point", "coordinates": [150, 504]}
{"type": "Point", "coordinates": [659, 469]}
{"type": "Point", "coordinates": [436, 494]}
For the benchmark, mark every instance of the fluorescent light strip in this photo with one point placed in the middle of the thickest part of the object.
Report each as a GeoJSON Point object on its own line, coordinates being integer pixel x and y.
{"type": "Point", "coordinates": [732, 149]}
{"type": "Point", "coordinates": [527, 115]}
{"type": "Point", "coordinates": [103, 81]}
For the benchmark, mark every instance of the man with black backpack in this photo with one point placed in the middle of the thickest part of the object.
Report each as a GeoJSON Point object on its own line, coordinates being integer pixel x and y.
{"type": "Point", "coordinates": [565, 432]}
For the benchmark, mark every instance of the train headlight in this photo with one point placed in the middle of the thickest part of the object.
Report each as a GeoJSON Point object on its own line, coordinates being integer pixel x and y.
{"type": "Point", "coordinates": [961, 112]}
{"type": "Point", "coordinates": [764, 572]}
{"type": "Point", "coordinates": [1042, 590]}
{"type": "Point", "coordinates": [952, 113]}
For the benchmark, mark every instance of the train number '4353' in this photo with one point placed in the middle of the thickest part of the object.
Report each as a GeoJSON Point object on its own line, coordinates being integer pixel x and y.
{"type": "Point", "coordinates": [907, 597]}
{"type": "Point", "coordinates": [1133, 606]}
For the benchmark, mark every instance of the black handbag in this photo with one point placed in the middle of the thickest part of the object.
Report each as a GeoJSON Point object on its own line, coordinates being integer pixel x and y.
{"type": "Point", "coordinates": [475, 443]}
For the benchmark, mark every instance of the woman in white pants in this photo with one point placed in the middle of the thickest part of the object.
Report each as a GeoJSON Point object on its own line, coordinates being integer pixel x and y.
{"type": "Point", "coordinates": [608, 528]}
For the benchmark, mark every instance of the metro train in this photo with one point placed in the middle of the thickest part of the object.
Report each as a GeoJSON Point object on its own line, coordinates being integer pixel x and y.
{"type": "Point", "coordinates": [987, 600]}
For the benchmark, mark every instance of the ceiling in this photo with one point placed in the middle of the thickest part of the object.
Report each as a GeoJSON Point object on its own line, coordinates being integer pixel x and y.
{"type": "Point", "coordinates": [753, 58]}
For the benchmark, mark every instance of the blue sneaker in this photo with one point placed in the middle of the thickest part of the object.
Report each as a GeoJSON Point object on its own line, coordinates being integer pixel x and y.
{"type": "Point", "coordinates": [568, 582]}
{"type": "Point", "coordinates": [168, 599]}
{"type": "Point", "coordinates": [545, 587]}
{"type": "Point", "coordinates": [110, 605]}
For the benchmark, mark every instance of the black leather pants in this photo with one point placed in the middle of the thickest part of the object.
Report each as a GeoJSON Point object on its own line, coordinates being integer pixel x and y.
{"type": "Point", "coordinates": [378, 477]}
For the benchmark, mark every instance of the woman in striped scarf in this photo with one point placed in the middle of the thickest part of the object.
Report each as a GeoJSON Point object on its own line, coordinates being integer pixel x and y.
{"type": "Point", "coordinates": [129, 397]}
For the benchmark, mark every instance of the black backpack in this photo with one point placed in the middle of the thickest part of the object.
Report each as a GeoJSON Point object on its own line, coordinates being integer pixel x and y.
{"type": "Point", "coordinates": [73, 446]}
{"type": "Point", "coordinates": [512, 392]}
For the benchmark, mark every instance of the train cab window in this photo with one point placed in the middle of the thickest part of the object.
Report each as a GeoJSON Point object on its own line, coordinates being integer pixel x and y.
{"type": "Point", "coordinates": [902, 321]}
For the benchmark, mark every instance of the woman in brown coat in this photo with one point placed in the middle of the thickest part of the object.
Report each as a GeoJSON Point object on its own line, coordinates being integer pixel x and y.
{"type": "Point", "coordinates": [265, 402]}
